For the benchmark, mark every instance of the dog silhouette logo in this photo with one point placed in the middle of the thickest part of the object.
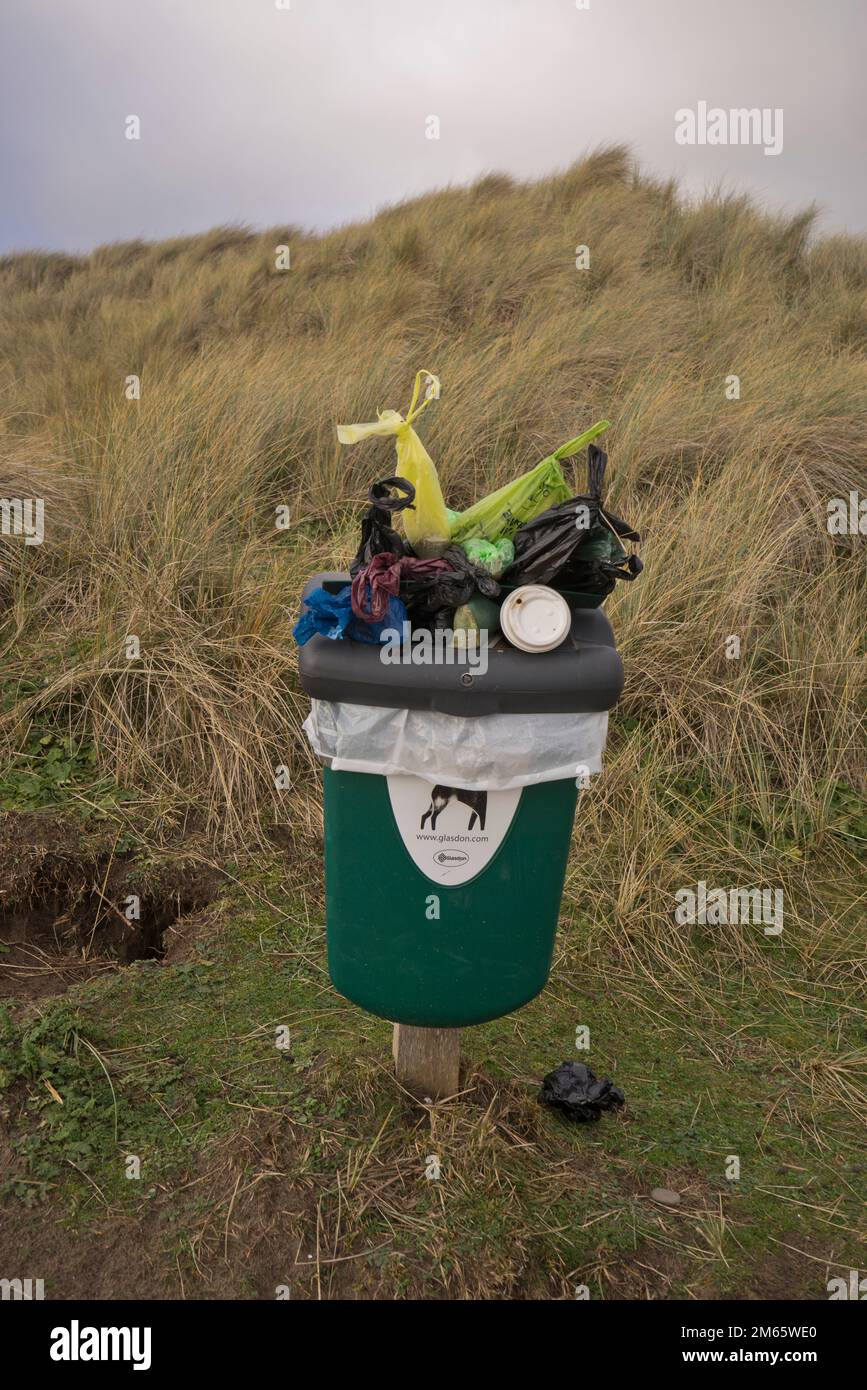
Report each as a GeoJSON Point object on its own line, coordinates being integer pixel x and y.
{"type": "Point", "coordinates": [440, 798]}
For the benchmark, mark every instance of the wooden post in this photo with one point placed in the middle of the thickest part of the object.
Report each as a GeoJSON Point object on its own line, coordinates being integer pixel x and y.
{"type": "Point", "coordinates": [427, 1060]}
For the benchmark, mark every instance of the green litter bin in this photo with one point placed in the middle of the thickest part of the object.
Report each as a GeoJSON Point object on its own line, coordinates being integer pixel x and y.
{"type": "Point", "coordinates": [442, 902]}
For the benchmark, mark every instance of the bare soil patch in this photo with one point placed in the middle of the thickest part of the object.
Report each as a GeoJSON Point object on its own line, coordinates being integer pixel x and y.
{"type": "Point", "coordinates": [70, 909]}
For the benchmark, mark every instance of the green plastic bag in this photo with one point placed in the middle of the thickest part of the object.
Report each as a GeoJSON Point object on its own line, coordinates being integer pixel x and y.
{"type": "Point", "coordinates": [499, 515]}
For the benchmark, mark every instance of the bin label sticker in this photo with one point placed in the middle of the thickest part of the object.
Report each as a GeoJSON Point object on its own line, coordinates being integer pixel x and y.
{"type": "Point", "coordinates": [451, 834]}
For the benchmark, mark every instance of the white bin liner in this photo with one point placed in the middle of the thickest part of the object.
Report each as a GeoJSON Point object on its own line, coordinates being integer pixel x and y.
{"type": "Point", "coordinates": [493, 752]}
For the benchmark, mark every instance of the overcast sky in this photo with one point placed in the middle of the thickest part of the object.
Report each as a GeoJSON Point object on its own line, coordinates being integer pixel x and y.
{"type": "Point", "coordinates": [317, 114]}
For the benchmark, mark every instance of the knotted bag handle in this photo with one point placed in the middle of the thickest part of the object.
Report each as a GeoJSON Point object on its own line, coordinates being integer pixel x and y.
{"type": "Point", "coordinates": [379, 496]}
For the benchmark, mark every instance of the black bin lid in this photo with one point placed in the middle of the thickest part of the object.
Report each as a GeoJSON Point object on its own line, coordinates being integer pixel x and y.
{"type": "Point", "coordinates": [584, 675]}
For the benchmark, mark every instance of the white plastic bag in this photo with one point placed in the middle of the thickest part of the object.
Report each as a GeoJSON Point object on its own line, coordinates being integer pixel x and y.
{"type": "Point", "coordinates": [491, 753]}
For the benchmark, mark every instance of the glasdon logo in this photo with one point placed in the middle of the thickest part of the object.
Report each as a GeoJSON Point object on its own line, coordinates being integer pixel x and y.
{"type": "Point", "coordinates": [447, 857]}
{"type": "Point", "coordinates": [77, 1343]}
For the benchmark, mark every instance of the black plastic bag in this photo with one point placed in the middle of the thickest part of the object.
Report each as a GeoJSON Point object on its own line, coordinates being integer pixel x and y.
{"type": "Point", "coordinates": [431, 602]}
{"type": "Point", "coordinates": [573, 1089]}
{"type": "Point", "coordinates": [377, 535]}
{"type": "Point", "coordinates": [583, 558]}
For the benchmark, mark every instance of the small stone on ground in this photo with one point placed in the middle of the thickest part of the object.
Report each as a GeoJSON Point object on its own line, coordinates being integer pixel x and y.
{"type": "Point", "coordinates": [666, 1196]}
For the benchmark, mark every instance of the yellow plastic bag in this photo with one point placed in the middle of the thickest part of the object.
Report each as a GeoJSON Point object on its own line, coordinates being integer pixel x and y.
{"type": "Point", "coordinates": [429, 522]}
{"type": "Point", "coordinates": [499, 515]}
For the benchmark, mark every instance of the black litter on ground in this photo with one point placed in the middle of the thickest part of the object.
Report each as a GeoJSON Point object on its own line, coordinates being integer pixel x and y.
{"type": "Point", "coordinates": [577, 1093]}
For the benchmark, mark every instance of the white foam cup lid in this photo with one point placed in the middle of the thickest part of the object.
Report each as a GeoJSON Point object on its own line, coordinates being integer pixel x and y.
{"type": "Point", "coordinates": [535, 618]}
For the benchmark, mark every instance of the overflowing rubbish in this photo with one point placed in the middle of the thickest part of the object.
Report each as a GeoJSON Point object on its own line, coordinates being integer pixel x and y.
{"type": "Point", "coordinates": [503, 512]}
{"type": "Point", "coordinates": [386, 497]}
{"type": "Point", "coordinates": [427, 525]}
{"type": "Point", "coordinates": [574, 1090]}
{"type": "Point", "coordinates": [518, 562]}
{"type": "Point", "coordinates": [577, 542]}
{"type": "Point", "coordinates": [332, 615]}
{"type": "Point", "coordinates": [454, 668]}
{"type": "Point", "coordinates": [374, 584]}
{"type": "Point", "coordinates": [455, 583]}
{"type": "Point", "coordinates": [493, 556]}
{"type": "Point", "coordinates": [535, 618]}
{"type": "Point", "coordinates": [478, 614]}
{"type": "Point", "coordinates": [464, 665]}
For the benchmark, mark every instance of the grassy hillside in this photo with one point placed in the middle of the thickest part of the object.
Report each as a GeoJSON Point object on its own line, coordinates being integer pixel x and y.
{"type": "Point", "coordinates": [160, 523]}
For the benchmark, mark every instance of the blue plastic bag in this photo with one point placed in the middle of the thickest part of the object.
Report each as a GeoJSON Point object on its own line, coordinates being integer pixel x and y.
{"type": "Point", "coordinates": [331, 615]}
